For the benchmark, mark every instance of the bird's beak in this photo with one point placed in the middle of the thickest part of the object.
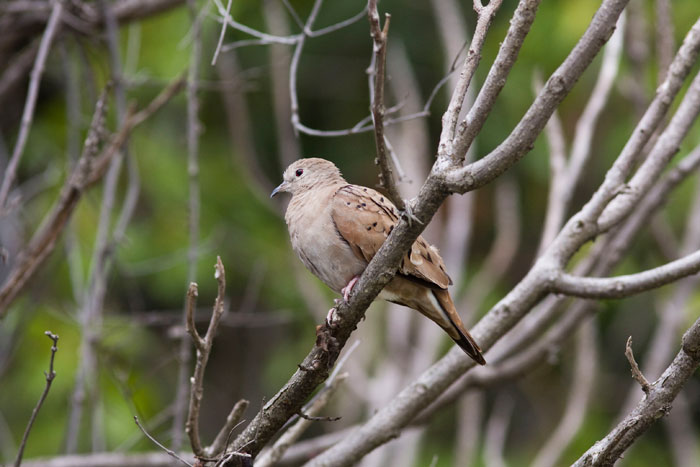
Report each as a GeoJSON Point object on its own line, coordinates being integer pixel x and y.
{"type": "Point", "coordinates": [281, 187]}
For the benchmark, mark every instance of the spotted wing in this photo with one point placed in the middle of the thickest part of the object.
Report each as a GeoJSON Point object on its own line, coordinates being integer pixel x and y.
{"type": "Point", "coordinates": [364, 218]}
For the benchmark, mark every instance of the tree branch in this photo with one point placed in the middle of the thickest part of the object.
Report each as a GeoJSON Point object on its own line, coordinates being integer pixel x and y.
{"type": "Point", "coordinates": [653, 406]}
{"type": "Point", "coordinates": [624, 286]}
{"type": "Point", "coordinates": [521, 139]}
{"type": "Point", "coordinates": [89, 169]}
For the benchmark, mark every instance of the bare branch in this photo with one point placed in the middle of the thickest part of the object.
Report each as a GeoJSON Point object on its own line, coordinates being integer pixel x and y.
{"type": "Point", "coordinates": [49, 379]}
{"type": "Point", "coordinates": [566, 176]}
{"type": "Point", "coordinates": [665, 148]}
{"type": "Point", "coordinates": [294, 65]}
{"type": "Point", "coordinates": [624, 286]}
{"type": "Point", "coordinates": [268, 38]}
{"type": "Point", "coordinates": [495, 80]}
{"type": "Point", "coordinates": [337, 26]}
{"type": "Point", "coordinates": [654, 405]}
{"type": "Point", "coordinates": [227, 16]}
{"type": "Point", "coordinates": [87, 172]}
{"type": "Point", "coordinates": [155, 441]}
{"type": "Point", "coordinates": [379, 37]}
{"type": "Point", "coordinates": [451, 116]}
{"type": "Point", "coordinates": [585, 127]}
{"type": "Point", "coordinates": [520, 140]}
{"type": "Point", "coordinates": [203, 350]}
{"type": "Point", "coordinates": [30, 103]}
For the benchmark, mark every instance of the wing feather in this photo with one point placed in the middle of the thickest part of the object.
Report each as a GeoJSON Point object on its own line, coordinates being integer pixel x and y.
{"type": "Point", "coordinates": [365, 218]}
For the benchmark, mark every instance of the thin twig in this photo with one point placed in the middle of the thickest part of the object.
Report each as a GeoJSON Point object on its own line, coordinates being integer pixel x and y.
{"type": "Point", "coordinates": [634, 368]}
{"type": "Point", "coordinates": [155, 441]}
{"type": "Point", "coordinates": [204, 346]}
{"type": "Point", "coordinates": [222, 34]}
{"type": "Point", "coordinates": [293, 13]}
{"type": "Point", "coordinates": [294, 64]}
{"type": "Point", "coordinates": [49, 379]}
{"type": "Point", "coordinates": [379, 39]}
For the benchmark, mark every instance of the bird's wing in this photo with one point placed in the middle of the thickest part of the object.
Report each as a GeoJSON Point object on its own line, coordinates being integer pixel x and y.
{"type": "Point", "coordinates": [365, 218]}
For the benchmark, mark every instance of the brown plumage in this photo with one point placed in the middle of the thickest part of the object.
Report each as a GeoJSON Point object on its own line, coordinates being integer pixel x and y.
{"type": "Point", "coordinates": [336, 228]}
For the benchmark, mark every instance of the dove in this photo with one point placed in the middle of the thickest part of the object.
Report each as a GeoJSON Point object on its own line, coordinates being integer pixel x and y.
{"type": "Point", "coordinates": [336, 228]}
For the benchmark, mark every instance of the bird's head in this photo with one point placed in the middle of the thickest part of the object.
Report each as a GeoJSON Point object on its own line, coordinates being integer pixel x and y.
{"type": "Point", "coordinates": [305, 174]}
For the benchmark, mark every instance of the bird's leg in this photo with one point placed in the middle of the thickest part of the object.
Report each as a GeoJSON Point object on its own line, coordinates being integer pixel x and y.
{"type": "Point", "coordinates": [348, 288]}
{"type": "Point", "coordinates": [330, 317]}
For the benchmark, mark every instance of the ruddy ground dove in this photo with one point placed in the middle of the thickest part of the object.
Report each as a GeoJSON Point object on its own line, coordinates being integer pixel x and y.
{"type": "Point", "coordinates": [336, 228]}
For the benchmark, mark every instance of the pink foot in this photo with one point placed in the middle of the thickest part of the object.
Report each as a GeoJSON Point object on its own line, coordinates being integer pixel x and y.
{"type": "Point", "coordinates": [348, 288]}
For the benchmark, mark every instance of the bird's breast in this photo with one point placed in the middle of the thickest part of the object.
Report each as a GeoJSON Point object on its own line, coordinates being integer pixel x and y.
{"type": "Point", "coordinates": [321, 248]}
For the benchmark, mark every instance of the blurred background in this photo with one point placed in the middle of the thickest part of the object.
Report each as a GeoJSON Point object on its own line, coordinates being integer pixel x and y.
{"type": "Point", "coordinates": [119, 350]}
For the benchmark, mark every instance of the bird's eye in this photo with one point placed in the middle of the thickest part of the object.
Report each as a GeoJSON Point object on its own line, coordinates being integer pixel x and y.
{"type": "Point", "coordinates": [299, 172]}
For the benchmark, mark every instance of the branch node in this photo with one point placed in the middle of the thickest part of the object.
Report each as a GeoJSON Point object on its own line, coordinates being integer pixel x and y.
{"type": "Point", "coordinates": [634, 368]}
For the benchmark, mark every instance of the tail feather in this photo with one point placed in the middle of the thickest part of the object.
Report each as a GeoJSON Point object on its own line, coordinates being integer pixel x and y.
{"type": "Point", "coordinates": [462, 338]}
{"type": "Point", "coordinates": [470, 347]}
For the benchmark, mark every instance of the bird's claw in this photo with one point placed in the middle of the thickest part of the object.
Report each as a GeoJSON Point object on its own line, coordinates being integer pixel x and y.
{"type": "Point", "coordinates": [348, 288]}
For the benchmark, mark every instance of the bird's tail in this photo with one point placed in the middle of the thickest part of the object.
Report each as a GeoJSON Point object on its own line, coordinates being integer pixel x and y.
{"type": "Point", "coordinates": [457, 331]}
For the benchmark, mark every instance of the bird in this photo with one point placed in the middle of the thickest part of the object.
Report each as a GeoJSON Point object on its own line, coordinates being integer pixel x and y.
{"type": "Point", "coordinates": [336, 228]}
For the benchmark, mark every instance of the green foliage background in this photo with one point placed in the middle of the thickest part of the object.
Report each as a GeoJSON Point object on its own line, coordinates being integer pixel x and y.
{"type": "Point", "coordinates": [137, 362]}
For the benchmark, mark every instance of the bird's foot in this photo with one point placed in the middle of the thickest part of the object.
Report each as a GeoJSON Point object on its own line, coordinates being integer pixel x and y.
{"type": "Point", "coordinates": [348, 288]}
{"type": "Point", "coordinates": [408, 212]}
